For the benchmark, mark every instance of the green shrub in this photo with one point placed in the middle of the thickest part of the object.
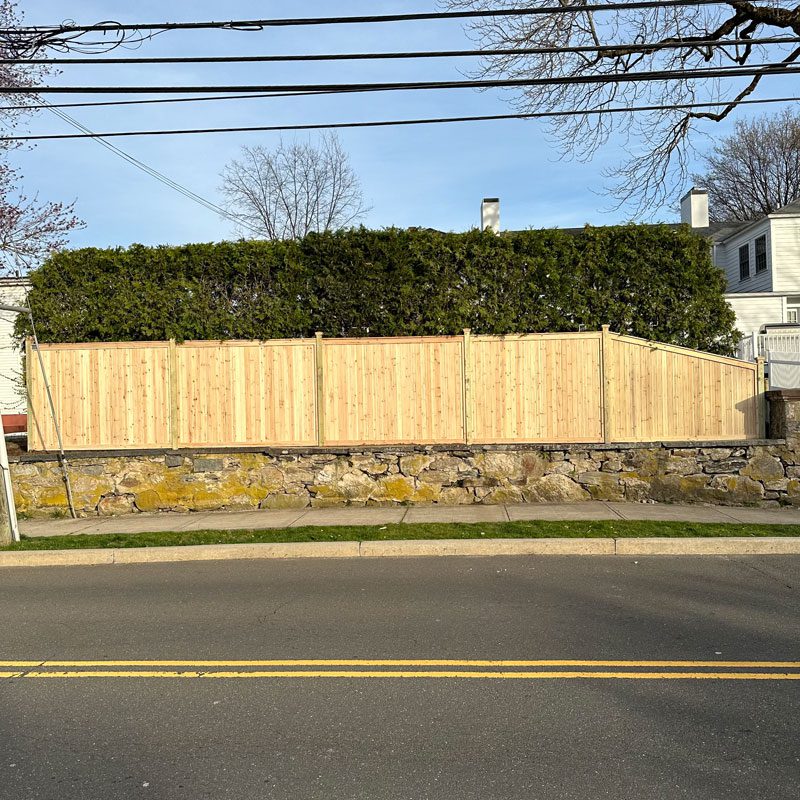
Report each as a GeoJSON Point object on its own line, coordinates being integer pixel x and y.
{"type": "Point", "coordinates": [653, 281]}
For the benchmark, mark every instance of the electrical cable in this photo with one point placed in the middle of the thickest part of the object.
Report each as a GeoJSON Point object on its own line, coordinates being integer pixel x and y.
{"type": "Point", "coordinates": [159, 176]}
{"type": "Point", "coordinates": [638, 47]}
{"type": "Point", "coordinates": [260, 24]}
{"type": "Point", "coordinates": [347, 88]}
{"type": "Point", "coordinates": [403, 122]}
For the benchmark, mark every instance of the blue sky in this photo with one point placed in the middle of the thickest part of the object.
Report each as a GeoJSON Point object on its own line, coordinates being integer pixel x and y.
{"type": "Point", "coordinates": [432, 176]}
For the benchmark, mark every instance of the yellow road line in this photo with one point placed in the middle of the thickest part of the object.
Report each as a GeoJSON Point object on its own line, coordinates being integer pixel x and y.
{"type": "Point", "coordinates": [408, 663]}
{"type": "Point", "coordinates": [325, 674]}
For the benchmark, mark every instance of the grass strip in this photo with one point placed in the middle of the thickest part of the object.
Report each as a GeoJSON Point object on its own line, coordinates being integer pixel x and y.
{"type": "Point", "coordinates": [539, 529]}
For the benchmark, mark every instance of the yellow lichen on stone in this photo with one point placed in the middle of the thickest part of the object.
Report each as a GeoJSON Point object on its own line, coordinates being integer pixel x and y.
{"type": "Point", "coordinates": [396, 489]}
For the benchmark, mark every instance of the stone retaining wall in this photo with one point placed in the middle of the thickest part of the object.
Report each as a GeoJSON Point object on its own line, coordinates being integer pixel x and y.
{"type": "Point", "coordinates": [765, 473]}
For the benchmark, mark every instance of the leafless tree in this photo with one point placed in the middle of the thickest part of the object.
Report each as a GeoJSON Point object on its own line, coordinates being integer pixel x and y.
{"type": "Point", "coordinates": [659, 142]}
{"type": "Point", "coordinates": [29, 229]}
{"type": "Point", "coordinates": [294, 189]}
{"type": "Point", "coordinates": [755, 170]}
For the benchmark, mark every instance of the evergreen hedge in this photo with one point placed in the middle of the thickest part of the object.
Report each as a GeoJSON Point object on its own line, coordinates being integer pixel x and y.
{"type": "Point", "coordinates": [653, 281]}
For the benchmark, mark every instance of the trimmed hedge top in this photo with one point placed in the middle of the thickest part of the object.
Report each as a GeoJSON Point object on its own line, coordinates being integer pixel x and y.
{"type": "Point", "coordinates": [653, 281]}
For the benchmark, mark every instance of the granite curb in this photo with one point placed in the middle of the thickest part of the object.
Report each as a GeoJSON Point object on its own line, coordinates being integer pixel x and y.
{"type": "Point", "coordinates": [717, 546]}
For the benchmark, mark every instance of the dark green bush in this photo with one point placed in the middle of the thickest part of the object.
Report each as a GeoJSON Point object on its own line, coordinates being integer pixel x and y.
{"type": "Point", "coordinates": [654, 281]}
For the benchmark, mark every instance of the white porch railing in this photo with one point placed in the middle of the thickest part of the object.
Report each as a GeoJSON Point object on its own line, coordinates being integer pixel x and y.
{"type": "Point", "coordinates": [758, 344]}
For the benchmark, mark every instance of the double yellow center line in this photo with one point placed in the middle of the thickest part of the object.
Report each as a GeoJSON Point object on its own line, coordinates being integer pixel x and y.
{"type": "Point", "coordinates": [410, 669]}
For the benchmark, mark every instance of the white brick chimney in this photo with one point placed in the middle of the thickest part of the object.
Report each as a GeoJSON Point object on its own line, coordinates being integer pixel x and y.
{"type": "Point", "coordinates": [490, 214]}
{"type": "Point", "coordinates": [694, 208]}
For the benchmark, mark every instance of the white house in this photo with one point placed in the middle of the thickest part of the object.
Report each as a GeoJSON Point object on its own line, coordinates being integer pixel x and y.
{"type": "Point", "coordinates": [761, 260]}
{"type": "Point", "coordinates": [13, 403]}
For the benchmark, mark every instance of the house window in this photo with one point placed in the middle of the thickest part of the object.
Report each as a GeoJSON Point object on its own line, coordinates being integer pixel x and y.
{"type": "Point", "coordinates": [744, 262]}
{"type": "Point", "coordinates": [761, 254]}
{"type": "Point", "coordinates": [793, 310]}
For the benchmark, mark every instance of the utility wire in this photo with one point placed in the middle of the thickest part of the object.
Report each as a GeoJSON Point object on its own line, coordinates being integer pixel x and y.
{"type": "Point", "coordinates": [346, 88]}
{"type": "Point", "coordinates": [638, 47]}
{"type": "Point", "coordinates": [37, 107]}
{"type": "Point", "coordinates": [159, 176]}
{"type": "Point", "coordinates": [403, 122]}
{"type": "Point", "coordinates": [259, 24]}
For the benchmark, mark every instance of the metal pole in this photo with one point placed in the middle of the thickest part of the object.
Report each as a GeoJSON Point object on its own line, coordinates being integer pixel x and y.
{"type": "Point", "coordinates": [62, 454]}
{"type": "Point", "coordinates": [7, 492]}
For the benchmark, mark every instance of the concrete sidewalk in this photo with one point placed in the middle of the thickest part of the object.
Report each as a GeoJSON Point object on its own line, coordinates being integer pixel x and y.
{"type": "Point", "coordinates": [261, 520]}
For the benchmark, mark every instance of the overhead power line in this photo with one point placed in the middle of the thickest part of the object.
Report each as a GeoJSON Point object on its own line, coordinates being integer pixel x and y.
{"type": "Point", "coordinates": [259, 24]}
{"type": "Point", "coordinates": [154, 173]}
{"type": "Point", "coordinates": [39, 106]}
{"type": "Point", "coordinates": [637, 47]}
{"type": "Point", "coordinates": [401, 122]}
{"type": "Point", "coordinates": [345, 88]}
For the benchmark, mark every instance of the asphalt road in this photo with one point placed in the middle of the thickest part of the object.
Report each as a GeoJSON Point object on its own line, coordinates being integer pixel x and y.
{"type": "Point", "coordinates": [236, 736]}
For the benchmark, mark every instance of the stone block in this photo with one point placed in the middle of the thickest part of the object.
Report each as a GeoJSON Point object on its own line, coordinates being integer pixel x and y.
{"type": "Point", "coordinates": [356, 486]}
{"type": "Point", "coordinates": [287, 502]}
{"type": "Point", "coordinates": [560, 468]}
{"type": "Point", "coordinates": [441, 477]}
{"type": "Point", "coordinates": [499, 465]}
{"type": "Point", "coordinates": [456, 496]}
{"type": "Point", "coordinates": [764, 468]}
{"type": "Point", "coordinates": [680, 488]}
{"type": "Point", "coordinates": [208, 465]}
{"type": "Point", "coordinates": [450, 464]}
{"type": "Point", "coordinates": [171, 460]}
{"type": "Point", "coordinates": [395, 489]}
{"type": "Point", "coordinates": [736, 489]}
{"type": "Point", "coordinates": [729, 466]}
{"type": "Point", "coordinates": [635, 490]}
{"type": "Point", "coordinates": [681, 465]}
{"type": "Point", "coordinates": [504, 495]}
{"type": "Point", "coordinates": [115, 505]}
{"type": "Point", "coordinates": [554, 488]}
{"type": "Point", "coordinates": [413, 465]}
{"type": "Point", "coordinates": [643, 462]}
{"type": "Point", "coordinates": [534, 465]}
{"type": "Point", "coordinates": [369, 464]}
{"type": "Point", "coordinates": [297, 474]}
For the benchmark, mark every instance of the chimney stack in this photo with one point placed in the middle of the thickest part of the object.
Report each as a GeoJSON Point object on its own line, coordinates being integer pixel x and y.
{"type": "Point", "coordinates": [694, 208]}
{"type": "Point", "coordinates": [490, 214]}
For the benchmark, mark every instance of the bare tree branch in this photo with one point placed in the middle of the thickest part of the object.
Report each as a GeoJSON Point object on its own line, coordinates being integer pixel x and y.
{"type": "Point", "coordinates": [660, 142]}
{"type": "Point", "coordinates": [29, 230]}
{"type": "Point", "coordinates": [756, 170]}
{"type": "Point", "coordinates": [294, 189]}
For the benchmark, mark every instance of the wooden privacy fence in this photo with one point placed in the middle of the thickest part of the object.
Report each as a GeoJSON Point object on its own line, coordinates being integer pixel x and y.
{"type": "Point", "coordinates": [547, 388]}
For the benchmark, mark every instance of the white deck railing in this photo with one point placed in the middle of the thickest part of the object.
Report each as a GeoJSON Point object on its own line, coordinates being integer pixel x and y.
{"type": "Point", "coordinates": [758, 344]}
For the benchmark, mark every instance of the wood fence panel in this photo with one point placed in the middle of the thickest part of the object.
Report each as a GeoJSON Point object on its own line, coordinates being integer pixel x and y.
{"type": "Point", "coordinates": [658, 392]}
{"type": "Point", "coordinates": [579, 387]}
{"type": "Point", "coordinates": [539, 388]}
{"type": "Point", "coordinates": [246, 393]}
{"type": "Point", "coordinates": [106, 397]}
{"type": "Point", "coordinates": [393, 391]}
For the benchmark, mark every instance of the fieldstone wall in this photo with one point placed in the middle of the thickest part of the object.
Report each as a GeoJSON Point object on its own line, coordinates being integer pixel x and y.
{"type": "Point", "coordinates": [764, 473]}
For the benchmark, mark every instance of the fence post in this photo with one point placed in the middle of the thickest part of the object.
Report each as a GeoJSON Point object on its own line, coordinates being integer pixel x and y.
{"type": "Point", "coordinates": [32, 422]}
{"type": "Point", "coordinates": [466, 369]}
{"type": "Point", "coordinates": [761, 399]}
{"type": "Point", "coordinates": [605, 392]}
{"type": "Point", "coordinates": [320, 415]}
{"type": "Point", "coordinates": [174, 411]}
